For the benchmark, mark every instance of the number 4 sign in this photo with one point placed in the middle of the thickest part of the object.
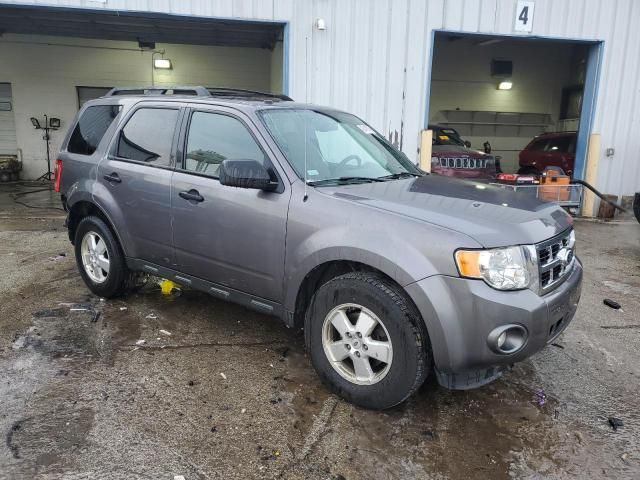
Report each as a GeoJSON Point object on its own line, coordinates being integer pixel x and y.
{"type": "Point", "coordinates": [524, 16]}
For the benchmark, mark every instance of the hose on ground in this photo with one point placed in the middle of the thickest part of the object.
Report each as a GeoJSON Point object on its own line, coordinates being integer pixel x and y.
{"type": "Point", "coordinates": [602, 197]}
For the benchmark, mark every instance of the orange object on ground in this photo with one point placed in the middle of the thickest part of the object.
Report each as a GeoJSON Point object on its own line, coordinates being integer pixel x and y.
{"type": "Point", "coordinates": [552, 187]}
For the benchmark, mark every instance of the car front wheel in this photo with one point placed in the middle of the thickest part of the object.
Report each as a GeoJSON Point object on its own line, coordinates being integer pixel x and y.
{"type": "Point", "coordinates": [366, 340]}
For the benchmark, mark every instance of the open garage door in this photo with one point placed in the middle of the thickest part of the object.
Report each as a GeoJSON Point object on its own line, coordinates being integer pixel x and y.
{"type": "Point", "coordinates": [526, 101]}
{"type": "Point", "coordinates": [58, 58]}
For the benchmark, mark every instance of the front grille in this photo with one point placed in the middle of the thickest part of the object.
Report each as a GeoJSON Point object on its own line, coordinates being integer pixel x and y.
{"type": "Point", "coordinates": [556, 257]}
{"type": "Point", "coordinates": [463, 162]}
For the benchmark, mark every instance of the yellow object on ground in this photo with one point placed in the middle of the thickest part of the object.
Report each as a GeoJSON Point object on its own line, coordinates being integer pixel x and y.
{"type": "Point", "coordinates": [167, 286]}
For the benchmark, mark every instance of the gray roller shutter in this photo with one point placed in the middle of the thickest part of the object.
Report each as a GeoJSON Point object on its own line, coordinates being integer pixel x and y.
{"type": "Point", "coordinates": [8, 143]}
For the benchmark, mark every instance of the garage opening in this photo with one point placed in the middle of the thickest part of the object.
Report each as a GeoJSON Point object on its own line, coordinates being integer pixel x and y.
{"type": "Point", "coordinates": [526, 101]}
{"type": "Point", "coordinates": [56, 59]}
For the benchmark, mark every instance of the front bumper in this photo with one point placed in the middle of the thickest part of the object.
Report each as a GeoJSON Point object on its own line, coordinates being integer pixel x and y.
{"type": "Point", "coordinates": [460, 313]}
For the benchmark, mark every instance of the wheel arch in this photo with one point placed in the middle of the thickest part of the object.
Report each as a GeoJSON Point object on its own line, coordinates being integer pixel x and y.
{"type": "Point", "coordinates": [84, 208]}
{"type": "Point", "coordinates": [323, 272]}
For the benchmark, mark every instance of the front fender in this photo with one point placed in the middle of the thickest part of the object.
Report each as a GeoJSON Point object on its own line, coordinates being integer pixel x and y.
{"type": "Point", "coordinates": [403, 263]}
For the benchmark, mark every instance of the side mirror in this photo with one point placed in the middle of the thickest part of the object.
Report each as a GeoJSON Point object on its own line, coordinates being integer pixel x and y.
{"type": "Point", "coordinates": [245, 174]}
{"type": "Point", "coordinates": [467, 143]}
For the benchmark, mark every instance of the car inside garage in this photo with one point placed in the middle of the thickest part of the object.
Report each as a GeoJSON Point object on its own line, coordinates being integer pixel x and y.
{"type": "Point", "coordinates": [56, 59]}
{"type": "Point", "coordinates": [524, 101]}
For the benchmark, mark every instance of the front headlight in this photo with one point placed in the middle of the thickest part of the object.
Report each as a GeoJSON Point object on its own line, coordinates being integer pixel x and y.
{"type": "Point", "coordinates": [501, 268]}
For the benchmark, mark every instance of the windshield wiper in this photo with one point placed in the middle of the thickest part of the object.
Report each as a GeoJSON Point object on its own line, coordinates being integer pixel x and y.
{"type": "Point", "coordinates": [344, 180]}
{"type": "Point", "coordinates": [396, 176]}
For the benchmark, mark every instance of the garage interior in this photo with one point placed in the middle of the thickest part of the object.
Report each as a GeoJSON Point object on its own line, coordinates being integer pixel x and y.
{"type": "Point", "coordinates": [546, 80]}
{"type": "Point", "coordinates": [55, 59]}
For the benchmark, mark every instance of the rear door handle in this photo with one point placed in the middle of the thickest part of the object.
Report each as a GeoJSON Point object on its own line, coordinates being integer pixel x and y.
{"type": "Point", "coordinates": [113, 177]}
{"type": "Point", "coordinates": [192, 195]}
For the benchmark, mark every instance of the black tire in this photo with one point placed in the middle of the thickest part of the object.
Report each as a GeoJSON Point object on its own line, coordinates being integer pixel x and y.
{"type": "Point", "coordinates": [528, 171]}
{"type": "Point", "coordinates": [636, 206]}
{"type": "Point", "coordinates": [411, 348]}
{"type": "Point", "coordinates": [120, 279]}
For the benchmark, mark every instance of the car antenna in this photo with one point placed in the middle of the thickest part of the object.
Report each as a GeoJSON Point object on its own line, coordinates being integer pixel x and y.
{"type": "Point", "coordinates": [304, 121]}
{"type": "Point", "coordinates": [306, 180]}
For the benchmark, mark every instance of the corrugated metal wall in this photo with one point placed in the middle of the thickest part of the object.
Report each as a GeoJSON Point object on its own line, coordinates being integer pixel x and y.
{"type": "Point", "coordinates": [374, 57]}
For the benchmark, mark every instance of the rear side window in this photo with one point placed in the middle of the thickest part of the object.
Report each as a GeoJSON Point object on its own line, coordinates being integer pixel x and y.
{"type": "Point", "coordinates": [91, 127]}
{"type": "Point", "coordinates": [148, 135]}
{"type": "Point", "coordinates": [538, 145]}
{"type": "Point", "coordinates": [559, 144]}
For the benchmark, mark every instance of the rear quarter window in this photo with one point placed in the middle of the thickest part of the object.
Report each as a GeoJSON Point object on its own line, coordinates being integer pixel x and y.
{"type": "Point", "coordinates": [91, 127]}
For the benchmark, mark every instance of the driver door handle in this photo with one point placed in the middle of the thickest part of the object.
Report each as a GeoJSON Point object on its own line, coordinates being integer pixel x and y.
{"type": "Point", "coordinates": [113, 178]}
{"type": "Point", "coordinates": [192, 195]}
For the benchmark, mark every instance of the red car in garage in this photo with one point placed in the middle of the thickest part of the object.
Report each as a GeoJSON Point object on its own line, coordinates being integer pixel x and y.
{"type": "Point", "coordinates": [549, 150]}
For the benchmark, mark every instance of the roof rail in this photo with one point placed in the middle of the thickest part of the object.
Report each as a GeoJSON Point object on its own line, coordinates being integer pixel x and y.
{"type": "Point", "coordinates": [239, 92]}
{"type": "Point", "coordinates": [178, 90]}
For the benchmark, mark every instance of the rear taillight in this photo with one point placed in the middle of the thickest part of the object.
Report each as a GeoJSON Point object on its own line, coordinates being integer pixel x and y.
{"type": "Point", "coordinates": [57, 175]}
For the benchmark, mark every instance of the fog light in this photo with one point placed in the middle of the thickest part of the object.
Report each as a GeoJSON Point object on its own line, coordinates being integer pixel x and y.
{"type": "Point", "coordinates": [507, 339]}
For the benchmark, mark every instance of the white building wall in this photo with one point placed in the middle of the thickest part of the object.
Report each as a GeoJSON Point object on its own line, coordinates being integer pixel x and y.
{"type": "Point", "coordinates": [373, 59]}
{"type": "Point", "coordinates": [45, 71]}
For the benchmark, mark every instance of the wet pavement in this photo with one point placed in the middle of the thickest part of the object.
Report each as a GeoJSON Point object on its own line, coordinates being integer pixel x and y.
{"type": "Point", "coordinates": [217, 391]}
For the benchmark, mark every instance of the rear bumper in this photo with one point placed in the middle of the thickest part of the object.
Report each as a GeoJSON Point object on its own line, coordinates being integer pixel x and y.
{"type": "Point", "coordinates": [460, 314]}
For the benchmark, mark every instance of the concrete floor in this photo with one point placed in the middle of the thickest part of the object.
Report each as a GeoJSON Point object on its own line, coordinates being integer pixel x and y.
{"type": "Point", "coordinates": [79, 399]}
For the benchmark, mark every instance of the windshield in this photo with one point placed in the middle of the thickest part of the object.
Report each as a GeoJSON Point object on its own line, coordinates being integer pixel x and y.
{"type": "Point", "coordinates": [334, 146]}
{"type": "Point", "coordinates": [447, 136]}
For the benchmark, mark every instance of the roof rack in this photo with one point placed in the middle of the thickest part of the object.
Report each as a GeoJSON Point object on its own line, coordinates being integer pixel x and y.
{"type": "Point", "coordinates": [239, 92]}
{"type": "Point", "coordinates": [196, 91]}
{"type": "Point", "coordinates": [179, 90]}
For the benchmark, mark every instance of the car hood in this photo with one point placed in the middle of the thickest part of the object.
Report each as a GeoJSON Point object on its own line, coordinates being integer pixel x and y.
{"type": "Point", "coordinates": [491, 215]}
{"type": "Point", "coordinates": [449, 150]}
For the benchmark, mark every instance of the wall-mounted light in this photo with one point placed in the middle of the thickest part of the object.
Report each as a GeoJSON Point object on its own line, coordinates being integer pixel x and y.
{"type": "Point", "coordinates": [162, 64]}
{"type": "Point", "coordinates": [54, 123]}
{"type": "Point", "coordinates": [505, 86]}
{"type": "Point", "coordinates": [35, 122]}
{"type": "Point", "coordinates": [321, 24]}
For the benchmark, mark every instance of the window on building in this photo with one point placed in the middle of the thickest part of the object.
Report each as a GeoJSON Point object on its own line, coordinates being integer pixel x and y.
{"type": "Point", "coordinates": [148, 135]}
{"type": "Point", "coordinates": [91, 127]}
{"type": "Point", "coordinates": [215, 137]}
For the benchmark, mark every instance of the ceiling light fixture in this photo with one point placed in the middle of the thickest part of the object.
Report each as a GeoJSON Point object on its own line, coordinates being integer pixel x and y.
{"type": "Point", "coordinates": [505, 86]}
{"type": "Point", "coordinates": [162, 64]}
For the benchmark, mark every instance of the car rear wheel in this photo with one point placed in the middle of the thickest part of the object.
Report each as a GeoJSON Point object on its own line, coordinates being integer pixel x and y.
{"type": "Point", "coordinates": [366, 340]}
{"type": "Point", "coordinates": [100, 259]}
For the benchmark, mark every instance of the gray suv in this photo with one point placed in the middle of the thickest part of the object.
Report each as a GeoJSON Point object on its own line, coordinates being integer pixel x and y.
{"type": "Point", "coordinates": [308, 214]}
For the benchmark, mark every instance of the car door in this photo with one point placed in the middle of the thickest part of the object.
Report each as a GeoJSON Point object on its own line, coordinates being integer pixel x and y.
{"type": "Point", "coordinates": [230, 236]}
{"type": "Point", "coordinates": [560, 153]}
{"type": "Point", "coordinates": [135, 179]}
{"type": "Point", "coordinates": [534, 154]}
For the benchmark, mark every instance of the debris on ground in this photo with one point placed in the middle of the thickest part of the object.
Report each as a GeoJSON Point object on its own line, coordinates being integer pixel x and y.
{"type": "Point", "coordinates": [224, 377]}
{"type": "Point", "coordinates": [122, 309]}
{"type": "Point", "coordinates": [178, 477]}
{"type": "Point", "coordinates": [57, 258]}
{"type": "Point", "coordinates": [165, 332]}
{"type": "Point", "coordinates": [541, 398]}
{"type": "Point", "coordinates": [167, 287]}
{"type": "Point", "coordinates": [152, 316]}
{"type": "Point", "coordinates": [611, 303]}
{"type": "Point", "coordinates": [620, 327]}
{"type": "Point", "coordinates": [141, 342]}
{"type": "Point", "coordinates": [244, 410]}
{"type": "Point", "coordinates": [557, 345]}
{"type": "Point", "coordinates": [96, 316]}
{"type": "Point", "coordinates": [615, 423]}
